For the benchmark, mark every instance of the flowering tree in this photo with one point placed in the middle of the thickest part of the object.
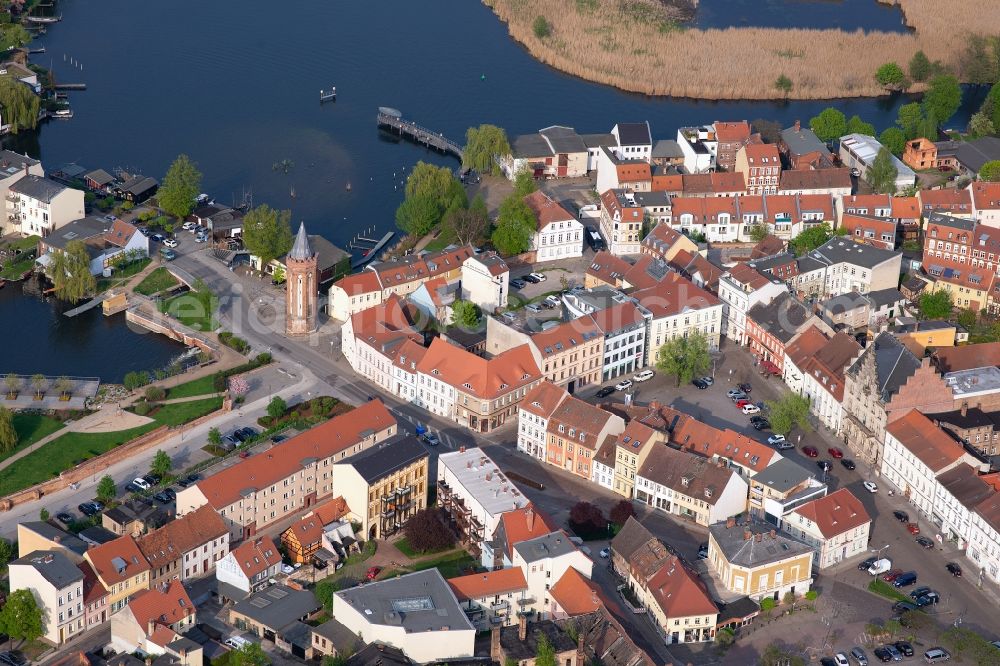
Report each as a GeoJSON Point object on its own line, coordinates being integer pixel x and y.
{"type": "Point", "coordinates": [238, 385]}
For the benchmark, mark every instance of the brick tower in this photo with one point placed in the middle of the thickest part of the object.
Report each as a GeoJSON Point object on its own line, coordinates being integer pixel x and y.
{"type": "Point", "coordinates": [302, 288]}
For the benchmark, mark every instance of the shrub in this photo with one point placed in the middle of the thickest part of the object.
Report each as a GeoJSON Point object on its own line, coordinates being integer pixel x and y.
{"type": "Point", "coordinates": [767, 604]}
{"type": "Point", "coordinates": [587, 520]}
{"type": "Point", "coordinates": [265, 421]}
{"type": "Point", "coordinates": [141, 408]}
{"type": "Point", "coordinates": [234, 342]}
{"type": "Point", "coordinates": [621, 512]}
{"type": "Point", "coordinates": [262, 359]}
{"type": "Point", "coordinates": [155, 393]}
{"type": "Point", "coordinates": [426, 531]}
{"type": "Point", "coordinates": [811, 595]}
{"type": "Point", "coordinates": [541, 27]}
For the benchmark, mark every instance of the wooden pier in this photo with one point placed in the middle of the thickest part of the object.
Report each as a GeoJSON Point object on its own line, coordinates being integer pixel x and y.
{"type": "Point", "coordinates": [69, 86]}
{"type": "Point", "coordinates": [328, 95]}
{"type": "Point", "coordinates": [391, 120]}
{"type": "Point", "coordinates": [361, 242]}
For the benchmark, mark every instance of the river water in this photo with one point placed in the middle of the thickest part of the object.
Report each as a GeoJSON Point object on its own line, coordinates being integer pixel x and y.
{"type": "Point", "coordinates": [236, 86]}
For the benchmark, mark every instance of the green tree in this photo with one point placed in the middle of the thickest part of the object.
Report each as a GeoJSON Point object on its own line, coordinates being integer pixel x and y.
{"type": "Point", "coordinates": [70, 272]}
{"type": "Point", "coordinates": [776, 655]}
{"type": "Point", "coordinates": [758, 232]}
{"type": "Point", "coordinates": [515, 226]}
{"type": "Point", "coordinates": [417, 215]}
{"type": "Point", "coordinates": [20, 104]}
{"type": "Point", "coordinates": [811, 238]}
{"type": "Point", "coordinates": [980, 125]}
{"type": "Point", "coordinates": [179, 188]}
{"type": "Point", "coordinates": [990, 171]}
{"type": "Point", "coordinates": [39, 382]}
{"type": "Point", "coordinates": [788, 412]}
{"type": "Point", "coordinates": [8, 435]}
{"type": "Point", "coordinates": [943, 98]}
{"type": "Point", "coordinates": [13, 35]}
{"type": "Point", "coordinates": [13, 383]}
{"type": "Point", "coordinates": [214, 437]}
{"type": "Point", "coordinates": [891, 76]}
{"type": "Point", "coordinates": [43, 515]}
{"type": "Point", "coordinates": [967, 318]}
{"type": "Point", "coordinates": [7, 552]}
{"type": "Point", "coordinates": [267, 233]}
{"type": "Point", "coordinates": [481, 145]}
{"type": "Point", "coordinates": [936, 304]}
{"type": "Point", "coordinates": [541, 27]}
{"type": "Point", "coordinates": [784, 84]}
{"type": "Point", "coordinates": [277, 407]}
{"type": "Point", "coordinates": [857, 126]}
{"type": "Point", "coordinates": [893, 139]}
{"type": "Point", "coordinates": [250, 654]}
{"type": "Point", "coordinates": [920, 66]}
{"type": "Point", "coordinates": [524, 183]}
{"type": "Point", "coordinates": [909, 118]}
{"type": "Point", "coordinates": [161, 463]}
{"type": "Point", "coordinates": [829, 125]}
{"type": "Point", "coordinates": [545, 654]}
{"type": "Point", "coordinates": [684, 357]}
{"type": "Point", "coordinates": [106, 489]}
{"type": "Point", "coordinates": [465, 314]}
{"type": "Point", "coordinates": [466, 225]}
{"type": "Point", "coordinates": [881, 175]}
{"type": "Point", "coordinates": [431, 191]}
{"type": "Point", "coordinates": [979, 60]}
{"type": "Point", "coordinates": [991, 106]}
{"type": "Point", "coordinates": [928, 127]}
{"type": "Point", "coordinates": [21, 618]}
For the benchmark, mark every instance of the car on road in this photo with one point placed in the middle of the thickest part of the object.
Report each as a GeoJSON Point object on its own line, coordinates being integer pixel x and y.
{"type": "Point", "coordinates": [517, 284]}
{"type": "Point", "coordinates": [605, 553]}
{"type": "Point", "coordinates": [699, 383]}
{"type": "Point", "coordinates": [188, 226]}
{"type": "Point", "coordinates": [200, 238]}
{"type": "Point", "coordinates": [810, 451]}
{"type": "Point", "coordinates": [858, 655]}
{"type": "Point", "coordinates": [870, 486]}
{"type": "Point", "coordinates": [927, 599]}
{"type": "Point", "coordinates": [708, 380]}
{"type": "Point", "coordinates": [158, 238]}
{"type": "Point", "coordinates": [824, 465]}
{"type": "Point", "coordinates": [13, 658]}
{"type": "Point", "coordinates": [623, 385]}
{"type": "Point", "coordinates": [287, 569]}
{"type": "Point", "coordinates": [751, 409]}
{"type": "Point", "coordinates": [430, 439]}
{"type": "Point", "coordinates": [925, 542]}
{"type": "Point", "coordinates": [835, 452]}
{"type": "Point", "coordinates": [141, 483]}
{"type": "Point", "coordinates": [168, 254]}
{"type": "Point", "coordinates": [847, 463]}
{"type": "Point", "coordinates": [247, 433]}
{"type": "Point", "coordinates": [740, 404]}
{"type": "Point", "coordinates": [530, 278]}
{"type": "Point", "coordinates": [91, 508]}
{"type": "Point", "coordinates": [170, 242]}
{"type": "Point", "coordinates": [760, 423]}
{"type": "Point", "coordinates": [901, 516]}
{"type": "Point", "coordinates": [913, 528]}
{"type": "Point", "coordinates": [152, 478]}
{"type": "Point", "coordinates": [539, 276]}
{"type": "Point", "coordinates": [905, 579]}
{"type": "Point", "coordinates": [954, 569]}
{"type": "Point", "coordinates": [775, 439]}
{"type": "Point", "coordinates": [372, 573]}
{"type": "Point", "coordinates": [736, 394]}
{"type": "Point", "coordinates": [841, 659]}
{"type": "Point", "coordinates": [866, 564]}
{"type": "Point", "coordinates": [891, 575]}
{"type": "Point", "coordinates": [894, 653]}
{"type": "Point", "coordinates": [644, 376]}
{"type": "Point", "coordinates": [746, 388]}
{"type": "Point", "coordinates": [66, 518]}
{"type": "Point", "coordinates": [605, 392]}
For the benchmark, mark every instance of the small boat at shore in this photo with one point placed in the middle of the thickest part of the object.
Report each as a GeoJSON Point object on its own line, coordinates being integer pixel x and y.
{"type": "Point", "coordinates": [63, 113]}
{"type": "Point", "coordinates": [43, 19]}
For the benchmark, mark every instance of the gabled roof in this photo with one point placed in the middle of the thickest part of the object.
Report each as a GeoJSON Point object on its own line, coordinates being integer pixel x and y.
{"type": "Point", "coordinates": [946, 199]}
{"type": "Point", "coordinates": [815, 179]}
{"type": "Point", "coordinates": [748, 278]}
{"type": "Point", "coordinates": [632, 537]}
{"type": "Point", "coordinates": [618, 317]}
{"type": "Point", "coordinates": [365, 282]}
{"type": "Point", "coordinates": [580, 422]}
{"type": "Point", "coordinates": [687, 474]}
{"type": "Point", "coordinates": [519, 525]}
{"type": "Point", "coordinates": [256, 555]}
{"type": "Point", "coordinates": [93, 589]}
{"type": "Point", "coordinates": [120, 233]}
{"type": "Point", "coordinates": [838, 512]}
{"type": "Point", "coordinates": [384, 326]}
{"type": "Point", "coordinates": [566, 335]}
{"type": "Point", "coordinates": [38, 188]}
{"type": "Point", "coordinates": [698, 437]}
{"type": "Point", "coordinates": [182, 535]}
{"type": "Point", "coordinates": [675, 295]}
{"type": "Point", "coordinates": [679, 592]}
{"type": "Point", "coordinates": [546, 209]}
{"type": "Point", "coordinates": [760, 154]}
{"type": "Point", "coordinates": [802, 140]}
{"type": "Point", "coordinates": [782, 317]}
{"type": "Point", "coordinates": [967, 357]}
{"type": "Point", "coordinates": [117, 561]}
{"type": "Point", "coordinates": [543, 399]}
{"type": "Point", "coordinates": [100, 177]}
{"type": "Point", "coordinates": [974, 154]}
{"type": "Point", "coordinates": [805, 346]}
{"type": "Point", "coordinates": [576, 594]}
{"type": "Point", "coordinates": [608, 267]}
{"type": "Point", "coordinates": [309, 530]}
{"type": "Point", "coordinates": [165, 607]}
{"type": "Point", "coordinates": [966, 485]}
{"type": "Point", "coordinates": [265, 469]}
{"type": "Point", "coordinates": [894, 364]}
{"type": "Point", "coordinates": [484, 378]}
{"type": "Point", "coordinates": [52, 565]}
{"type": "Point", "coordinates": [931, 445]}
{"type": "Point", "coordinates": [732, 131]}
{"type": "Point", "coordinates": [481, 585]}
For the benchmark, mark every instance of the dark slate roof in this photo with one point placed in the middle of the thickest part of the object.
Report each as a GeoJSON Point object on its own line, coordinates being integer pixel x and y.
{"type": "Point", "coordinates": [36, 187]}
{"type": "Point", "coordinates": [950, 221]}
{"type": "Point", "coordinates": [277, 606]}
{"type": "Point", "coordinates": [530, 145]}
{"type": "Point", "coordinates": [553, 544]}
{"type": "Point", "coordinates": [78, 230]}
{"type": "Point", "coordinates": [342, 638]}
{"type": "Point", "coordinates": [377, 463]}
{"type": "Point", "coordinates": [97, 535]}
{"type": "Point", "coordinates": [53, 566]}
{"type": "Point", "coordinates": [514, 648]}
{"type": "Point", "coordinates": [965, 485]}
{"type": "Point", "coordinates": [301, 249]}
{"type": "Point", "coordinates": [782, 317]}
{"type": "Point", "coordinates": [844, 302]}
{"type": "Point", "coordinates": [783, 475]}
{"type": "Point", "coordinates": [11, 162]}
{"type": "Point", "coordinates": [894, 364]}
{"type": "Point", "coordinates": [806, 264]}
{"type": "Point", "coordinates": [751, 553]}
{"type": "Point", "coordinates": [974, 154]}
{"type": "Point", "coordinates": [973, 418]}
{"type": "Point", "coordinates": [100, 176]}
{"type": "Point", "coordinates": [635, 134]}
{"type": "Point", "coordinates": [768, 263]}
{"type": "Point", "coordinates": [740, 609]}
{"type": "Point", "coordinates": [658, 198]}
{"type": "Point", "coordinates": [564, 139]}
{"type": "Point", "coordinates": [53, 533]}
{"type": "Point", "coordinates": [376, 653]}
{"type": "Point", "coordinates": [71, 170]}
{"type": "Point", "coordinates": [837, 250]}
{"type": "Point", "coordinates": [667, 148]}
{"type": "Point", "coordinates": [885, 297]}
{"type": "Point", "coordinates": [140, 185]}
{"type": "Point", "coordinates": [598, 140]}
{"type": "Point", "coordinates": [802, 141]}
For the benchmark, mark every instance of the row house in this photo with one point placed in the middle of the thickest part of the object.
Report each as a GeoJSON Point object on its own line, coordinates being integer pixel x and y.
{"type": "Point", "coordinates": [558, 234]}
{"type": "Point", "coordinates": [56, 583]}
{"type": "Point", "coordinates": [884, 382]}
{"type": "Point", "coordinates": [627, 174]}
{"type": "Point", "coordinates": [814, 368]}
{"type": "Point", "coordinates": [664, 242]}
{"type": "Point", "coordinates": [631, 449]}
{"type": "Point", "coordinates": [677, 602]}
{"type": "Point", "coordinates": [153, 619]}
{"type": "Point", "coordinates": [570, 354]}
{"type": "Point", "coordinates": [902, 212]}
{"type": "Point", "coordinates": [874, 231]}
{"type": "Point", "coordinates": [772, 326]}
{"type": "Point", "coordinates": [248, 568]}
{"type": "Point", "coordinates": [269, 487]}
{"type": "Point", "coordinates": [837, 526]}
{"type": "Point", "coordinates": [699, 147]}
{"type": "Point", "coordinates": [802, 149]}
{"type": "Point", "coordinates": [741, 288]}
{"type": "Point", "coordinates": [186, 548]}
{"type": "Point", "coordinates": [690, 486]}
{"type": "Point", "coordinates": [984, 539]}
{"type": "Point", "coordinates": [985, 203]}
{"type": "Point", "coordinates": [303, 539]}
{"type": "Point", "coordinates": [625, 327]}
{"type": "Point", "coordinates": [435, 298]}
{"type": "Point", "coordinates": [963, 257]}
{"type": "Point", "coordinates": [834, 183]}
{"type": "Point", "coordinates": [959, 491]}
{"type": "Point", "coordinates": [780, 489]}
{"type": "Point", "coordinates": [732, 219]}
{"type": "Point", "coordinates": [95, 597]}
{"type": "Point", "coordinates": [707, 185]}
{"type": "Point", "coordinates": [947, 200]}
{"type": "Point", "coordinates": [633, 141]}
{"type": "Point", "coordinates": [622, 220]}
{"type": "Point", "coordinates": [479, 393]}
{"type": "Point", "coordinates": [731, 138]}
{"type": "Point", "coordinates": [372, 286]}
{"type": "Point", "coordinates": [974, 427]}
{"type": "Point", "coordinates": [648, 270]}
{"type": "Point", "coordinates": [840, 266]}
{"type": "Point", "coordinates": [575, 431]}
{"type": "Point", "coordinates": [759, 561]}
{"type": "Point", "coordinates": [121, 568]}
{"type": "Point", "coordinates": [533, 414]}
{"type": "Point", "coordinates": [554, 152]}
{"type": "Point", "coordinates": [760, 164]}
{"type": "Point", "coordinates": [474, 493]}
{"type": "Point", "coordinates": [678, 308]}
{"type": "Point", "coordinates": [702, 272]}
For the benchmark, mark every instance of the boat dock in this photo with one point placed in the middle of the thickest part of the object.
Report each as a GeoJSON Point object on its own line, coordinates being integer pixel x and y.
{"type": "Point", "coordinates": [69, 86]}
{"type": "Point", "coordinates": [92, 303]}
{"type": "Point", "coordinates": [369, 246]}
{"type": "Point", "coordinates": [391, 120]}
{"type": "Point", "coordinates": [328, 95]}
{"type": "Point", "coordinates": [43, 19]}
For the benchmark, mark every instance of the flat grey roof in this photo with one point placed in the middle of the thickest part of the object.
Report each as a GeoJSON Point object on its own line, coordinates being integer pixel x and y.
{"type": "Point", "coordinates": [52, 533]}
{"type": "Point", "coordinates": [418, 602]}
{"type": "Point", "coordinates": [839, 250]}
{"type": "Point", "coordinates": [53, 566]}
{"type": "Point", "coordinates": [278, 605]}
{"type": "Point", "coordinates": [783, 475]}
{"type": "Point", "coordinates": [530, 145]}
{"type": "Point", "coordinates": [964, 383]}
{"type": "Point", "coordinates": [552, 544]}
{"type": "Point", "coordinates": [482, 479]}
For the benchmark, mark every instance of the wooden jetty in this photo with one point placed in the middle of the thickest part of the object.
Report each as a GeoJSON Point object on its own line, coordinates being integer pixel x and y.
{"type": "Point", "coordinates": [43, 19]}
{"type": "Point", "coordinates": [328, 95]}
{"type": "Point", "coordinates": [41, 49]}
{"type": "Point", "coordinates": [69, 86]}
{"type": "Point", "coordinates": [392, 120]}
{"type": "Point", "coordinates": [360, 242]}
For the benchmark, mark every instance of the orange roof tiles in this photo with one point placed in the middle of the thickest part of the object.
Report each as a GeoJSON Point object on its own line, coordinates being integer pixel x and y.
{"type": "Point", "coordinates": [484, 378]}
{"type": "Point", "coordinates": [948, 200]}
{"type": "Point", "coordinates": [637, 436]}
{"type": "Point", "coordinates": [408, 356]}
{"type": "Point", "coordinates": [693, 435]}
{"type": "Point", "coordinates": [309, 530]}
{"type": "Point", "coordinates": [922, 438]}
{"type": "Point", "coordinates": [728, 181]}
{"type": "Point", "coordinates": [523, 524]}
{"type": "Point", "coordinates": [581, 422]}
{"type": "Point", "coordinates": [906, 208]}
{"type": "Point", "coordinates": [608, 268]}
{"type": "Point", "coordinates": [384, 325]}
{"type": "Point", "coordinates": [985, 195]}
{"type": "Point", "coordinates": [805, 346]}
{"type": "Point", "coordinates": [566, 335]}
{"type": "Point", "coordinates": [182, 535]}
{"type": "Point", "coordinates": [633, 172]}
{"type": "Point", "coordinates": [577, 595]}
{"type": "Point", "coordinates": [543, 399]}
{"type": "Point", "coordinates": [748, 277]}
{"type": "Point", "coordinates": [617, 317]}
{"type": "Point", "coordinates": [867, 202]}
{"type": "Point", "coordinates": [762, 153]}
{"type": "Point", "coordinates": [967, 357]}
{"type": "Point", "coordinates": [488, 584]}
{"type": "Point", "coordinates": [546, 209]}
{"type": "Point", "coordinates": [838, 512]}
{"type": "Point", "coordinates": [674, 296]}
{"type": "Point", "coordinates": [365, 282]}
{"type": "Point", "coordinates": [281, 460]}
{"type": "Point", "coordinates": [815, 179]}
{"type": "Point", "coordinates": [679, 592]}
{"type": "Point", "coordinates": [93, 589]}
{"type": "Point", "coordinates": [103, 559]}
{"type": "Point", "coordinates": [661, 238]}
{"type": "Point", "coordinates": [120, 233]}
{"type": "Point", "coordinates": [256, 555]}
{"type": "Point", "coordinates": [162, 635]}
{"type": "Point", "coordinates": [167, 607]}
{"type": "Point", "coordinates": [732, 131]}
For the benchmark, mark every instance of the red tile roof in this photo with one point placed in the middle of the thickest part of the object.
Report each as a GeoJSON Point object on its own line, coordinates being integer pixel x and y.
{"type": "Point", "coordinates": [523, 524]}
{"type": "Point", "coordinates": [365, 282]}
{"type": "Point", "coordinates": [679, 592]}
{"type": "Point", "coordinates": [675, 295]}
{"type": "Point", "coordinates": [699, 437]}
{"type": "Point", "coordinates": [546, 209]}
{"type": "Point", "coordinates": [759, 154]}
{"type": "Point", "coordinates": [484, 378]}
{"type": "Point", "coordinates": [93, 589]}
{"type": "Point", "coordinates": [732, 132]}
{"type": "Point", "coordinates": [617, 317]}
{"type": "Point", "coordinates": [281, 460]}
{"type": "Point", "coordinates": [543, 399]}
{"type": "Point", "coordinates": [187, 533]}
{"type": "Point", "coordinates": [906, 208]}
{"type": "Point", "coordinates": [408, 356]}
{"type": "Point", "coordinates": [815, 179]}
{"type": "Point", "coordinates": [384, 325]}
{"type": "Point", "coordinates": [584, 420]}
{"type": "Point", "coordinates": [967, 357]}
{"type": "Point", "coordinates": [309, 530]}
{"type": "Point", "coordinates": [256, 556]}
{"type": "Point", "coordinates": [489, 584]}
{"type": "Point", "coordinates": [985, 195]}
{"type": "Point", "coordinates": [838, 512]}
{"type": "Point", "coordinates": [749, 278]}
{"type": "Point", "coordinates": [947, 200]}
{"type": "Point", "coordinates": [633, 172]}
{"type": "Point", "coordinates": [608, 268]}
{"type": "Point", "coordinates": [103, 557]}
{"type": "Point", "coordinates": [930, 444]}
{"type": "Point", "coordinates": [166, 607]}
{"type": "Point", "coordinates": [578, 595]}
{"type": "Point", "coordinates": [120, 233]}
{"type": "Point", "coordinates": [566, 335]}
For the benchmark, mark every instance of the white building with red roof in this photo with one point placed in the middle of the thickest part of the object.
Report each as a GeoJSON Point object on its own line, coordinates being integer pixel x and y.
{"type": "Point", "coordinates": [677, 309]}
{"type": "Point", "coordinates": [558, 235]}
{"type": "Point", "coordinates": [533, 414]}
{"type": "Point", "coordinates": [153, 619]}
{"type": "Point", "coordinates": [836, 526]}
{"type": "Point", "coordinates": [248, 568]}
{"type": "Point", "coordinates": [985, 203]}
{"type": "Point", "coordinates": [371, 340]}
{"type": "Point", "coordinates": [741, 288]}
{"type": "Point", "coordinates": [486, 281]}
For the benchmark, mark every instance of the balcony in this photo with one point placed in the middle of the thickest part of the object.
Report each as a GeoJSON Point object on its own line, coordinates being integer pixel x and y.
{"type": "Point", "coordinates": [405, 490]}
{"type": "Point", "coordinates": [500, 605]}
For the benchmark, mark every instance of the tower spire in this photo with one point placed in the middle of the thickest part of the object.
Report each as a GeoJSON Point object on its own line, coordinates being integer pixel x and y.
{"type": "Point", "coordinates": [301, 249]}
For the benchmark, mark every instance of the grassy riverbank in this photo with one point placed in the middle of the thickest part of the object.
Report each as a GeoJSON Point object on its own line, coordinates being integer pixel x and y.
{"type": "Point", "coordinates": [635, 45]}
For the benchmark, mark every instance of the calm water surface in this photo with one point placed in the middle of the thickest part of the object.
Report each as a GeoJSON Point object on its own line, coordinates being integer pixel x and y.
{"type": "Point", "coordinates": [868, 15]}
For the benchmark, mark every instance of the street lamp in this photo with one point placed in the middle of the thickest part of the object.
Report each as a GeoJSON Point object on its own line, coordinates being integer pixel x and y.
{"type": "Point", "coordinates": [879, 550]}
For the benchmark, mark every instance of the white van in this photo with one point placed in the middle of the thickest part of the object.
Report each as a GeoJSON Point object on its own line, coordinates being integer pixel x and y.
{"type": "Point", "coordinates": [880, 566]}
{"type": "Point", "coordinates": [236, 642]}
{"type": "Point", "coordinates": [934, 655]}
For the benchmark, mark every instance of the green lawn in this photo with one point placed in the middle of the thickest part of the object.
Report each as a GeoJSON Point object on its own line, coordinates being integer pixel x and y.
{"type": "Point", "coordinates": [455, 563]}
{"type": "Point", "coordinates": [14, 271]}
{"type": "Point", "coordinates": [202, 386]}
{"type": "Point", "coordinates": [122, 274]}
{"type": "Point", "coordinates": [29, 243]}
{"type": "Point", "coordinates": [882, 588]}
{"type": "Point", "coordinates": [30, 428]}
{"type": "Point", "coordinates": [404, 547]}
{"type": "Point", "coordinates": [61, 454]}
{"type": "Point", "coordinates": [193, 309]}
{"type": "Point", "coordinates": [182, 412]}
{"type": "Point", "coordinates": [156, 281]}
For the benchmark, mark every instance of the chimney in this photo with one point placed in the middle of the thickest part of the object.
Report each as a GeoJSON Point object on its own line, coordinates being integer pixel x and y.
{"type": "Point", "coordinates": [25, 168]}
{"type": "Point", "coordinates": [495, 645]}
{"type": "Point", "coordinates": [965, 408]}
{"type": "Point", "coordinates": [760, 537]}
{"type": "Point", "coordinates": [461, 449]}
{"type": "Point", "coordinates": [150, 627]}
{"type": "Point", "coordinates": [730, 523]}
{"type": "Point", "coordinates": [654, 406]}
{"type": "Point", "coordinates": [522, 627]}
{"type": "Point", "coordinates": [773, 534]}
{"type": "Point", "coordinates": [798, 125]}
{"type": "Point", "coordinates": [529, 518]}
{"type": "Point", "coordinates": [580, 661]}
{"type": "Point", "coordinates": [747, 535]}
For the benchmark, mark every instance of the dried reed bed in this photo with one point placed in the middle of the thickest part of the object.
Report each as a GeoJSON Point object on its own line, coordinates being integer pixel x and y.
{"type": "Point", "coordinates": [628, 44]}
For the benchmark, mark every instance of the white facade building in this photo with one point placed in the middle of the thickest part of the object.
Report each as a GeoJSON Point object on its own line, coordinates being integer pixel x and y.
{"type": "Point", "coordinates": [740, 289]}
{"type": "Point", "coordinates": [42, 205]}
{"type": "Point", "coordinates": [544, 560]}
{"type": "Point", "coordinates": [57, 585]}
{"type": "Point", "coordinates": [837, 526]}
{"type": "Point", "coordinates": [485, 281]}
{"type": "Point", "coordinates": [559, 235]}
{"type": "Point", "coordinates": [533, 415]}
{"type": "Point", "coordinates": [14, 167]}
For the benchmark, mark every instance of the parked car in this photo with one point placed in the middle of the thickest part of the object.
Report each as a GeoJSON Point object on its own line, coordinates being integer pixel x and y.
{"type": "Point", "coordinates": [13, 658]}
{"type": "Point", "coordinates": [372, 572]}
{"type": "Point", "coordinates": [158, 238]}
{"type": "Point", "coordinates": [170, 242]}
{"type": "Point", "coordinates": [708, 380]}
{"type": "Point", "coordinates": [881, 566]}
{"type": "Point", "coordinates": [925, 542]}
{"type": "Point", "coordinates": [827, 661]}
{"type": "Point", "coordinates": [703, 551]}
{"type": "Point", "coordinates": [954, 569]}
{"type": "Point", "coordinates": [841, 659]}
{"type": "Point", "coordinates": [847, 463]}
{"type": "Point", "coordinates": [934, 655]}
{"type": "Point", "coordinates": [605, 553]}
{"type": "Point", "coordinates": [751, 409]}
{"type": "Point", "coordinates": [530, 278]}
{"type": "Point", "coordinates": [605, 392]}
{"type": "Point", "coordinates": [913, 528]}
{"type": "Point", "coordinates": [644, 376]}
{"type": "Point", "coordinates": [699, 383]}
{"type": "Point", "coordinates": [166, 496]}
{"type": "Point", "coordinates": [927, 599]}
{"type": "Point", "coordinates": [891, 575]}
{"type": "Point", "coordinates": [775, 439]}
{"type": "Point", "coordinates": [824, 465]}
{"type": "Point", "coordinates": [66, 518]}
{"type": "Point", "coordinates": [736, 394]}
{"type": "Point", "coordinates": [746, 388]}
{"type": "Point", "coordinates": [553, 301]}
{"type": "Point", "coordinates": [140, 483]}
{"type": "Point", "coordinates": [623, 385]}
{"type": "Point", "coordinates": [168, 254]}
{"type": "Point", "coordinates": [882, 654]}
{"type": "Point", "coordinates": [904, 607]}
{"type": "Point", "coordinates": [835, 452]}
{"type": "Point", "coordinates": [91, 508]}
{"type": "Point", "coordinates": [188, 226]}
{"type": "Point", "coordinates": [761, 424]}
{"type": "Point", "coordinates": [153, 478]}
{"type": "Point", "coordinates": [905, 579]}
{"type": "Point", "coordinates": [870, 486]}
{"type": "Point", "coordinates": [539, 276]}
{"type": "Point", "coordinates": [810, 451]}
{"type": "Point", "coordinates": [533, 308]}
{"type": "Point", "coordinates": [200, 238]}
{"type": "Point", "coordinates": [517, 284]}
{"type": "Point", "coordinates": [742, 402]}
{"type": "Point", "coordinates": [866, 564]}
{"type": "Point", "coordinates": [896, 654]}
{"type": "Point", "coordinates": [858, 655]}
{"type": "Point", "coordinates": [901, 516]}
